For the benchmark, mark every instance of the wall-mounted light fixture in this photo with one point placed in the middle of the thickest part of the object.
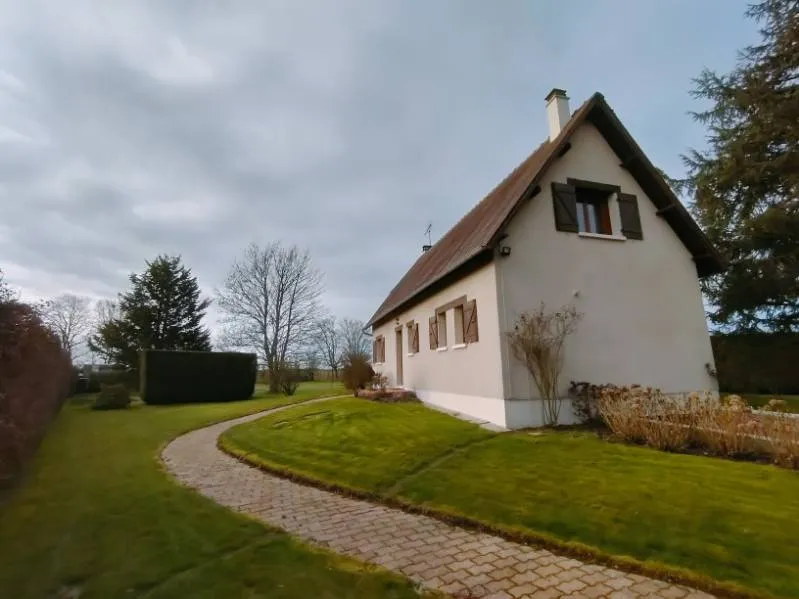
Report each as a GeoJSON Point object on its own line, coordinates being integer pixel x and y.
{"type": "Point", "coordinates": [504, 250]}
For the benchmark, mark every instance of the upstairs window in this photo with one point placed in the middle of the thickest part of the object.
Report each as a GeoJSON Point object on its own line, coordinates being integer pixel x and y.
{"type": "Point", "coordinates": [593, 211]}
{"type": "Point", "coordinates": [585, 207]}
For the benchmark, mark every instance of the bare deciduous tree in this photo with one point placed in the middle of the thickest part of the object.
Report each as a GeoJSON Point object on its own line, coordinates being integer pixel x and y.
{"type": "Point", "coordinates": [270, 303]}
{"type": "Point", "coordinates": [327, 340]}
{"type": "Point", "coordinates": [537, 341]}
{"type": "Point", "coordinates": [105, 311]}
{"type": "Point", "coordinates": [69, 317]}
{"type": "Point", "coordinates": [353, 338]}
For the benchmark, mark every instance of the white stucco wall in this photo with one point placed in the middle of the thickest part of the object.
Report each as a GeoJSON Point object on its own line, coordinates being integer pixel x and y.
{"type": "Point", "coordinates": [643, 318]}
{"type": "Point", "coordinates": [466, 380]}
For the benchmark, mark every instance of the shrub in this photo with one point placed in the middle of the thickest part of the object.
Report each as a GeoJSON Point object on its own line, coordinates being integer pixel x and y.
{"type": "Point", "coordinates": [35, 376]}
{"type": "Point", "coordinates": [112, 397]}
{"type": "Point", "coordinates": [585, 401]}
{"type": "Point", "coordinates": [379, 381]}
{"type": "Point", "coordinates": [757, 362]}
{"type": "Point", "coordinates": [289, 378]}
{"type": "Point", "coordinates": [356, 373]}
{"type": "Point", "coordinates": [537, 341]}
{"type": "Point", "coordinates": [722, 427]}
{"type": "Point", "coordinates": [389, 395]}
{"type": "Point", "coordinates": [192, 377]}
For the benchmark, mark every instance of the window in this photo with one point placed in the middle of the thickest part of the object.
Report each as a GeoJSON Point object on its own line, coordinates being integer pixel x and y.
{"type": "Point", "coordinates": [585, 207]}
{"type": "Point", "coordinates": [458, 310]}
{"type": "Point", "coordinates": [379, 350]}
{"type": "Point", "coordinates": [593, 211]}
{"type": "Point", "coordinates": [470, 322]}
{"type": "Point", "coordinates": [441, 326]}
{"type": "Point", "coordinates": [413, 337]}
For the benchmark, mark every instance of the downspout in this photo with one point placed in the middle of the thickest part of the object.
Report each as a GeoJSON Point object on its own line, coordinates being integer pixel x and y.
{"type": "Point", "coordinates": [504, 350]}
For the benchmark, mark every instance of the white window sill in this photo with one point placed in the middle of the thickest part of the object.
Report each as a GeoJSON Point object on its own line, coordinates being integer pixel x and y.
{"type": "Point", "coordinates": [411, 354]}
{"type": "Point", "coordinates": [602, 236]}
{"type": "Point", "coordinates": [459, 346]}
{"type": "Point", "coordinates": [442, 348]}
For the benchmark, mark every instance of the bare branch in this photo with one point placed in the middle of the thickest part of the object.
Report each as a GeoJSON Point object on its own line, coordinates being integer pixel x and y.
{"type": "Point", "coordinates": [270, 302]}
{"type": "Point", "coordinates": [69, 317]}
{"type": "Point", "coordinates": [327, 340]}
{"type": "Point", "coordinates": [537, 341]}
{"type": "Point", "coordinates": [354, 340]}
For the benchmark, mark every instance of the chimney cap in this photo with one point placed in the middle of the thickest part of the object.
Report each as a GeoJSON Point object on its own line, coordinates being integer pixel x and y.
{"type": "Point", "coordinates": [556, 93]}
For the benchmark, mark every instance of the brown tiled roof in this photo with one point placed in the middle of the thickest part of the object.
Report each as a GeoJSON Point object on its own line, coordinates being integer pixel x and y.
{"type": "Point", "coordinates": [477, 231]}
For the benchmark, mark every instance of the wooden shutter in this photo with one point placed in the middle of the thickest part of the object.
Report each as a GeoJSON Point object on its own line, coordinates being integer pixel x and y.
{"type": "Point", "coordinates": [415, 341]}
{"type": "Point", "coordinates": [374, 351]}
{"type": "Point", "coordinates": [433, 331]}
{"type": "Point", "coordinates": [564, 202]}
{"type": "Point", "coordinates": [382, 349]}
{"type": "Point", "coordinates": [630, 218]}
{"type": "Point", "coordinates": [470, 322]}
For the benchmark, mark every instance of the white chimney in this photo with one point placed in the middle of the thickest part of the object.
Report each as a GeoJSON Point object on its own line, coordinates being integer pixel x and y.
{"type": "Point", "coordinates": [557, 111]}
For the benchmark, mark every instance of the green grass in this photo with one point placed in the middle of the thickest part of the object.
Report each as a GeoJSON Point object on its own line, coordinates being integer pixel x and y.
{"type": "Point", "coordinates": [364, 445]}
{"type": "Point", "coordinates": [98, 512]}
{"type": "Point", "coordinates": [757, 401]}
{"type": "Point", "coordinates": [728, 521]}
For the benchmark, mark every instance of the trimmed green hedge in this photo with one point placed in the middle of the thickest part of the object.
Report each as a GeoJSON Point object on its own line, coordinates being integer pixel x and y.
{"type": "Point", "coordinates": [194, 377]}
{"type": "Point", "coordinates": [757, 363]}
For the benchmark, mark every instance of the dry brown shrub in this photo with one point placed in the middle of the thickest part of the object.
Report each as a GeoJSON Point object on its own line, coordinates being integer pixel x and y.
{"type": "Point", "coordinates": [726, 427]}
{"type": "Point", "coordinates": [645, 415]}
{"type": "Point", "coordinates": [537, 341]}
{"type": "Point", "coordinates": [723, 427]}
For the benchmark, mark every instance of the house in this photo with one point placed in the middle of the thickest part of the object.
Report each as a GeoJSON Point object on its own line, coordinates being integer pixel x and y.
{"type": "Point", "coordinates": [585, 220]}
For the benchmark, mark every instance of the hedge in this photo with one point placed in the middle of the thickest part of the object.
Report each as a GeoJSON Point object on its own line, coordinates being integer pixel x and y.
{"type": "Point", "coordinates": [35, 376]}
{"type": "Point", "coordinates": [757, 362]}
{"type": "Point", "coordinates": [193, 377]}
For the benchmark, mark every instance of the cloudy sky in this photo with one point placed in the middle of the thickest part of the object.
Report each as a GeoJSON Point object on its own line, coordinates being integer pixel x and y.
{"type": "Point", "coordinates": [129, 129]}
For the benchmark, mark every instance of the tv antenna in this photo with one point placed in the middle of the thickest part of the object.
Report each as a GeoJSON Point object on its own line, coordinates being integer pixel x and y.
{"type": "Point", "coordinates": [428, 232]}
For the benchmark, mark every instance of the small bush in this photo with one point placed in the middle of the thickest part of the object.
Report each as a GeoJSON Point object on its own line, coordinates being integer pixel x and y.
{"type": "Point", "coordinates": [389, 395]}
{"type": "Point", "coordinates": [289, 378]}
{"type": "Point", "coordinates": [112, 397]}
{"type": "Point", "coordinates": [379, 381]}
{"type": "Point", "coordinates": [585, 401]}
{"type": "Point", "coordinates": [356, 373]}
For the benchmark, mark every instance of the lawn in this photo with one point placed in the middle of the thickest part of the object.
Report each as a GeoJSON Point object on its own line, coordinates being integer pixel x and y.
{"type": "Point", "coordinates": [730, 521]}
{"type": "Point", "coordinates": [98, 514]}
{"type": "Point", "coordinates": [363, 445]}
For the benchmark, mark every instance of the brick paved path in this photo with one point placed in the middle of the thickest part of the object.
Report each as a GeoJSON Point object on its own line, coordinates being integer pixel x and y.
{"type": "Point", "coordinates": [443, 557]}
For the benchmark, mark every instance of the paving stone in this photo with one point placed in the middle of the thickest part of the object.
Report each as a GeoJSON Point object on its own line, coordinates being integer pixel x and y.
{"type": "Point", "coordinates": [571, 587]}
{"type": "Point", "coordinates": [442, 557]}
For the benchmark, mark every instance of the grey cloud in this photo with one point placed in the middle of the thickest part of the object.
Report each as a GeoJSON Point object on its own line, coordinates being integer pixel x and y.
{"type": "Point", "coordinates": [194, 128]}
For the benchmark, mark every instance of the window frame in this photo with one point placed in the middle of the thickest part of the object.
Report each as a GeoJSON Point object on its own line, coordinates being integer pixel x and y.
{"type": "Point", "coordinates": [458, 313]}
{"type": "Point", "coordinates": [441, 330]}
{"type": "Point", "coordinates": [599, 207]}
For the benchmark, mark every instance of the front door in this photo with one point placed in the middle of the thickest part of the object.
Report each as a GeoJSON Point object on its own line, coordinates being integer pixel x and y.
{"type": "Point", "coordinates": [398, 333]}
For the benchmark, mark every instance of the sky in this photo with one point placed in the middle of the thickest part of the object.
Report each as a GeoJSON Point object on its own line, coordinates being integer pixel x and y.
{"type": "Point", "coordinates": [131, 129]}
